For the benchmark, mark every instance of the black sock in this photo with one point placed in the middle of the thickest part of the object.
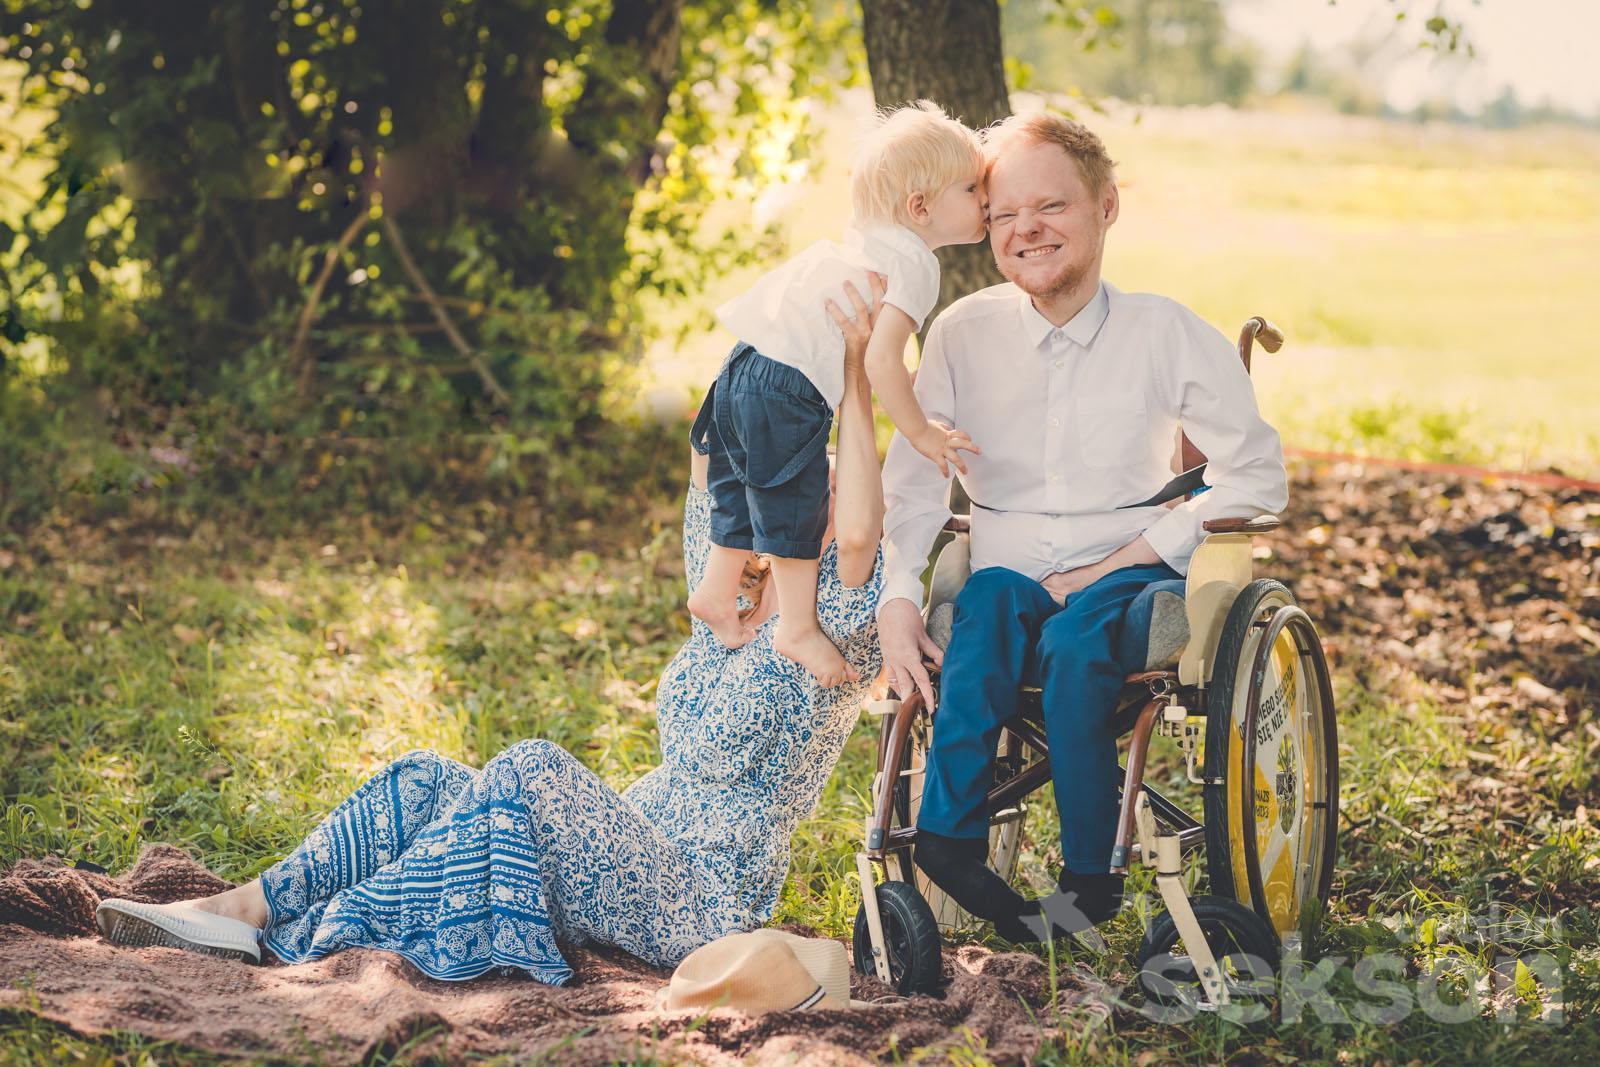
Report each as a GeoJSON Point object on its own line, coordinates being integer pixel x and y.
{"type": "Point", "coordinates": [958, 867]}
{"type": "Point", "coordinates": [1097, 896]}
{"type": "Point", "coordinates": [1081, 902]}
{"type": "Point", "coordinates": [1024, 927]}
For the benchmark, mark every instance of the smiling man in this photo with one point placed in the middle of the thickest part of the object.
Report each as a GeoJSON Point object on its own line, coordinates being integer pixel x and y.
{"type": "Point", "coordinates": [1074, 391]}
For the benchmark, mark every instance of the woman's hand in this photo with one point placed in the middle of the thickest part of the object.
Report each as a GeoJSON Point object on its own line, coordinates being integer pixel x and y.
{"type": "Point", "coordinates": [857, 327]}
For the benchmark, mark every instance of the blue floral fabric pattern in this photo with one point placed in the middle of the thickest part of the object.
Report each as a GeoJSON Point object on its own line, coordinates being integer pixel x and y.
{"type": "Point", "coordinates": [461, 871]}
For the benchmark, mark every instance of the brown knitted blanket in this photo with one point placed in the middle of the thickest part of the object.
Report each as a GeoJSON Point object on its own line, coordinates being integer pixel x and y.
{"type": "Point", "coordinates": [353, 1004]}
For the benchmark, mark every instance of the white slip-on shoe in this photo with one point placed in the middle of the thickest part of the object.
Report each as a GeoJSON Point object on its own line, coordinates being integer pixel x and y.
{"type": "Point", "coordinates": [127, 922]}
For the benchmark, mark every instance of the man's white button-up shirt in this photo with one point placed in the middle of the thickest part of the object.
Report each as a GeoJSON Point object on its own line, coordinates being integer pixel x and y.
{"type": "Point", "coordinates": [1075, 422]}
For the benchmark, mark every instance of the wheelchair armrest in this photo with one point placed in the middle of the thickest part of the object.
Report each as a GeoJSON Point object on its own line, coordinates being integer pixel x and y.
{"type": "Point", "coordinates": [958, 524]}
{"type": "Point", "coordinates": [1258, 525]}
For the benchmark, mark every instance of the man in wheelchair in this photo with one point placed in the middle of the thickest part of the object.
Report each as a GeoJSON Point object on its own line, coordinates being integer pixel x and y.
{"type": "Point", "coordinates": [1076, 393]}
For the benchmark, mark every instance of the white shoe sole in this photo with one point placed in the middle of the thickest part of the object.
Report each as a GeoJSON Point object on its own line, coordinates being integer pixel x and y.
{"type": "Point", "coordinates": [127, 922]}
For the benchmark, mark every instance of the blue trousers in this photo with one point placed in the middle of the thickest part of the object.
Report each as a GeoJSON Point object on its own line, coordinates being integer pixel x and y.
{"type": "Point", "coordinates": [1007, 633]}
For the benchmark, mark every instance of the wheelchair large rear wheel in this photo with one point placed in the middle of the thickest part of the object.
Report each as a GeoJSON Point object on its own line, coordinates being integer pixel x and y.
{"type": "Point", "coordinates": [1272, 758]}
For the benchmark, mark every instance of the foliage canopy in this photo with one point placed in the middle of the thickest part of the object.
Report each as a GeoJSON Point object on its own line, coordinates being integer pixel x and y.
{"type": "Point", "coordinates": [350, 222]}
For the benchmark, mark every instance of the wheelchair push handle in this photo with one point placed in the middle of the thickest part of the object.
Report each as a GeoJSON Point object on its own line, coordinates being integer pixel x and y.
{"type": "Point", "coordinates": [1260, 329]}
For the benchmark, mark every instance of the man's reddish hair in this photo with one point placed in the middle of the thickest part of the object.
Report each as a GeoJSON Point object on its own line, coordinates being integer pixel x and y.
{"type": "Point", "coordinates": [1043, 127]}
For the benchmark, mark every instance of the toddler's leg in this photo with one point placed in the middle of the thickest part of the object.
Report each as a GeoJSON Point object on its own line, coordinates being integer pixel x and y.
{"type": "Point", "coordinates": [797, 635]}
{"type": "Point", "coordinates": [715, 601]}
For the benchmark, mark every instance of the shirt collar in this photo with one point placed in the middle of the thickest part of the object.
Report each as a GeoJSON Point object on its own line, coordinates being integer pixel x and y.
{"type": "Point", "coordinates": [1081, 328]}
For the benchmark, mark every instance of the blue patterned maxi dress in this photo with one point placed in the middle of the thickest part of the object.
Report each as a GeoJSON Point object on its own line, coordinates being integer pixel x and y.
{"type": "Point", "coordinates": [460, 871]}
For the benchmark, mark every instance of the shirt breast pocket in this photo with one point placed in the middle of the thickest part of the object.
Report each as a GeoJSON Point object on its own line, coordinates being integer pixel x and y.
{"type": "Point", "coordinates": [1113, 429]}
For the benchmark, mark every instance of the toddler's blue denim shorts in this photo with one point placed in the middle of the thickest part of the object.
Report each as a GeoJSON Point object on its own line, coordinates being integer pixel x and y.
{"type": "Point", "coordinates": [764, 428]}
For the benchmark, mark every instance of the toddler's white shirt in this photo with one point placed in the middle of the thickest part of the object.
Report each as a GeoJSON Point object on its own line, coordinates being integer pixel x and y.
{"type": "Point", "coordinates": [783, 317]}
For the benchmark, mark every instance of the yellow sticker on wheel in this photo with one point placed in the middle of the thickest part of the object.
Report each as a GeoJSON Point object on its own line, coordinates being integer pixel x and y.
{"type": "Point", "coordinates": [1279, 785]}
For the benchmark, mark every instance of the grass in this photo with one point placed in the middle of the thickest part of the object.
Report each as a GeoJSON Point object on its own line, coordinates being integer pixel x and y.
{"type": "Point", "coordinates": [1420, 272]}
{"type": "Point", "coordinates": [199, 685]}
{"type": "Point", "coordinates": [188, 695]}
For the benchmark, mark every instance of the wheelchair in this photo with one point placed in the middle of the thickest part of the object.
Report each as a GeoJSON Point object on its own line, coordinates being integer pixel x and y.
{"type": "Point", "coordinates": [1236, 676]}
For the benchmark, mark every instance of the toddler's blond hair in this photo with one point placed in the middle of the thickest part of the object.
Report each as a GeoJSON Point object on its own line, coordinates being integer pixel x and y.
{"type": "Point", "coordinates": [912, 149]}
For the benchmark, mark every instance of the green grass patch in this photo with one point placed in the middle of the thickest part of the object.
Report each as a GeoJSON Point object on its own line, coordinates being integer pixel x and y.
{"type": "Point", "coordinates": [222, 692]}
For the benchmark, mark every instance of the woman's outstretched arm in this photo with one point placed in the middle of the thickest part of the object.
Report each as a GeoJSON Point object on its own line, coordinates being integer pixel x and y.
{"type": "Point", "coordinates": [858, 511]}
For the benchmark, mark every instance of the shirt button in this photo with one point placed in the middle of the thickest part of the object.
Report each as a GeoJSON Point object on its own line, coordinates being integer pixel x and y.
{"type": "Point", "coordinates": [1056, 334]}
{"type": "Point", "coordinates": [1055, 477]}
{"type": "Point", "coordinates": [1058, 364]}
{"type": "Point", "coordinates": [1054, 421]}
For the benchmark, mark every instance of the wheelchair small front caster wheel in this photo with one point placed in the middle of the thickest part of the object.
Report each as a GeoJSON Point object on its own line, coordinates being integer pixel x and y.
{"type": "Point", "coordinates": [1244, 944]}
{"type": "Point", "coordinates": [911, 937]}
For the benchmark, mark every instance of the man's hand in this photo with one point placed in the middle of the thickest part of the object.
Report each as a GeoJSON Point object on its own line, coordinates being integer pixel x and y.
{"type": "Point", "coordinates": [904, 641]}
{"type": "Point", "coordinates": [944, 446]}
{"type": "Point", "coordinates": [1063, 584]}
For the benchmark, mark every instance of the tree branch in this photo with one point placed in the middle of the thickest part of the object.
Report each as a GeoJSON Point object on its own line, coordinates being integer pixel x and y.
{"type": "Point", "coordinates": [490, 386]}
{"type": "Point", "coordinates": [297, 358]}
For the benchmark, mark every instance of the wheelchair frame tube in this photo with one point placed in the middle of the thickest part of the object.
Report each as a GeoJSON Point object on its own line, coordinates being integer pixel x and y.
{"type": "Point", "coordinates": [892, 753]}
{"type": "Point", "coordinates": [869, 905]}
{"type": "Point", "coordinates": [1132, 783]}
{"type": "Point", "coordinates": [882, 839]}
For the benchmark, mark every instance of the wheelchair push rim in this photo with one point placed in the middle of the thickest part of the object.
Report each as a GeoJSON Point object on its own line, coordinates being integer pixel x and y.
{"type": "Point", "coordinates": [1273, 805]}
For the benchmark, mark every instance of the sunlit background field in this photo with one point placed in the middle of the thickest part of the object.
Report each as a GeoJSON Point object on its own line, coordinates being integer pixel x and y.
{"type": "Point", "coordinates": [1437, 282]}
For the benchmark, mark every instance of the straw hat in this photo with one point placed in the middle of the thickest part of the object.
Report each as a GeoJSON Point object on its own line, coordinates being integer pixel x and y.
{"type": "Point", "coordinates": [761, 971]}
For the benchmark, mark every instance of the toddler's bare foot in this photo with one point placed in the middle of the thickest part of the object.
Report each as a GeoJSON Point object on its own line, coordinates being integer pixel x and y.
{"type": "Point", "coordinates": [723, 618]}
{"type": "Point", "coordinates": [810, 648]}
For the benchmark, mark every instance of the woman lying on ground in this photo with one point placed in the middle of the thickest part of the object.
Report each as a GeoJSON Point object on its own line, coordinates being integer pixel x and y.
{"type": "Point", "coordinates": [461, 871]}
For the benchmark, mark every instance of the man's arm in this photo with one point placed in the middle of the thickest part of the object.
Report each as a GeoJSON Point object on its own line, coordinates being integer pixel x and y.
{"type": "Point", "coordinates": [1208, 385]}
{"type": "Point", "coordinates": [917, 505]}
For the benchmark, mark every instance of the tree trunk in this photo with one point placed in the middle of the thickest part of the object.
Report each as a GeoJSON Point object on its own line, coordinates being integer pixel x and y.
{"type": "Point", "coordinates": [625, 96]}
{"type": "Point", "coordinates": [616, 124]}
{"type": "Point", "coordinates": [947, 51]}
{"type": "Point", "coordinates": [424, 90]}
{"type": "Point", "coordinates": [513, 123]}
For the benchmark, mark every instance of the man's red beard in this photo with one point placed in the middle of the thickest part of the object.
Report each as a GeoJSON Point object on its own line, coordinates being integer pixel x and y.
{"type": "Point", "coordinates": [1072, 276]}
{"type": "Point", "coordinates": [1062, 284]}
